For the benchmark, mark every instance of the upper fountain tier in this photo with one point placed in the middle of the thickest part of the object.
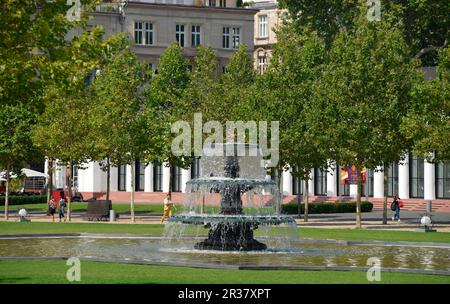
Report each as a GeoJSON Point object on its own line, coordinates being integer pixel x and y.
{"type": "Point", "coordinates": [216, 160]}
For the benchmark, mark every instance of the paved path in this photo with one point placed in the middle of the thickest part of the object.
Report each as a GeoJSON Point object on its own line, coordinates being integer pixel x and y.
{"type": "Point", "coordinates": [372, 220]}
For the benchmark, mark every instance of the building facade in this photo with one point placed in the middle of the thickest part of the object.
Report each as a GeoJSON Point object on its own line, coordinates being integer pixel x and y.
{"type": "Point", "coordinates": [153, 26]}
{"type": "Point", "coordinates": [267, 19]}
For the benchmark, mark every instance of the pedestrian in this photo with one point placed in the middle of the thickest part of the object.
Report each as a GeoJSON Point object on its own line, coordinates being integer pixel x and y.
{"type": "Point", "coordinates": [168, 206]}
{"type": "Point", "coordinates": [395, 206]}
{"type": "Point", "coordinates": [52, 208]}
{"type": "Point", "coordinates": [62, 207]}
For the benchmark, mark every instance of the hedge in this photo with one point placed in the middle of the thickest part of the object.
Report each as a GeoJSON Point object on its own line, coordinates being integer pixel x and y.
{"type": "Point", "coordinates": [24, 200]}
{"type": "Point", "coordinates": [326, 207]}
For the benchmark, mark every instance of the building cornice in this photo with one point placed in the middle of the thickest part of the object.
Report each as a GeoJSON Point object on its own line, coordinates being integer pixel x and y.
{"type": "Point", "coordinates": [247, 11]}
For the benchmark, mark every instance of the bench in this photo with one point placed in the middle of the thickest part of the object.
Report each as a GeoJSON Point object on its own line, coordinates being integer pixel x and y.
{"type": "Point", "coordinates": [98, 210]}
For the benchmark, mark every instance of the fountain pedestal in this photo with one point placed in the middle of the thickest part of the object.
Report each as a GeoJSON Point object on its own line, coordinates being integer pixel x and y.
{"type": "Point", "coordinates": [231, 236]}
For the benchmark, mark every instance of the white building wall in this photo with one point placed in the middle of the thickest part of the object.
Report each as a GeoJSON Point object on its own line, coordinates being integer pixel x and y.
{"type": "Point", "coordinates": [311, 183]}
{"type": "Point", "coordinates": [378, 183]}
{"type": "Point", "coordinates": [148, 184]}
{"type": "Point", "coordinates": [165, 177]}
{"type": "Point", "coordinates": [287, 182]}
{"type": "Point", "coordinates": [403, 178]}
{"type": "Point", "coordinates": [185, 177]}
{"type": "Point", "coordinates": [331, 181]}
{"type": "Point", "coordinates": [429, 180]}
{"type": "Point", "coordinates": [128, 179]}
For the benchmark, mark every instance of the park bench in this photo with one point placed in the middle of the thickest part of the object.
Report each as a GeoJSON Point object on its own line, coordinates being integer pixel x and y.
{"type": "Point", "coordinates": [98, 210]}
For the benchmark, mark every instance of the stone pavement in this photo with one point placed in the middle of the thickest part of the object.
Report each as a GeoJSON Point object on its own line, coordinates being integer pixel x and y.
{"type": "Point", "coordinates": [372, 220]}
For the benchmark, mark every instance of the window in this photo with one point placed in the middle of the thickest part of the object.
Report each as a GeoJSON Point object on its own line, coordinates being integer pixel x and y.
{"type": "Point", "coordinates": [195, 168]}
{"type": "Point", "coordinates": [320, 182]}
{"type": "Point", "coordinates": [223, 3]}
{"type": "Point", "coordinates": [148, 33]}
{"type": "Point", "coordinates": [179, 29]}
{"type": "Point", "coordinates": [195, 41]}
{"type": "Point", "coordinates": [297, 185]}
{"type": "Point", "coordinates": [176, 179]}
{"type": "Point", "coordinates": [415, 177]}
{"type": "Point", "coordinates": [443, 180]}
{"type": "Point", "coordinates": [236, 37]}
{"type": "Point", "coordinates": [139, 176]}
{"type": "Point", "coordinates": [226, 38]}
{"type": "Point", "coordinates": [368, 184]}
{"type": "Point", "coordinates": [392, 179]}
{"type": "Point", "coordinates": [75, 178]}
{"type": "Point", "coordinates": [211, 2]}
{"type": "Point", "coordinates": [262, 62]}
{"type": "Point", "coordinates": [122, 175]}
{"type": "Point", "coordinates": [263, 26]}
{"type": "Point", "coordinates": [157, 178]}
{"type": "Point", "coordinates": [138, 33]}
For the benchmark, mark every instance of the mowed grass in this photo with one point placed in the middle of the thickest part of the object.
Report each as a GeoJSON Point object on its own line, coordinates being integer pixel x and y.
{"type": "Point", "coordinates": [121, 228]}
{"type": "Point", "coordinates": [82, 206]}
{"type": "Point", "coordinates": [54, 272]}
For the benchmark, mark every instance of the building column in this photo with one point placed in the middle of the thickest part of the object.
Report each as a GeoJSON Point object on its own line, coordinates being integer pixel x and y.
{"type": "Point", "coordinates": [331, 180]}
{"type": "Point", "coordinates": [165, 177]}
{"type": "Point", "coordinates": [128, 178]}
{"type": "Point", "coordinates": [287, 182]}
{"type": "Point", "coordinates": [148, 184]}
{"type": "Point", "coordinates": [429, 180]}
{"type": "Point", "coordinates": [311, 183]}
{"type": "Point", "coordinates": [185, 177]}
{"type": "Point", "coordinates": [403, 178]}
{"type": "Point", "coordinates": [378, 183]}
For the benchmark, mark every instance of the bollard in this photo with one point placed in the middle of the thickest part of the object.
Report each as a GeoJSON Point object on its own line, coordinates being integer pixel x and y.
{"type": "Point", "coordinates": [112, 215]}
{"type": "Point", "coordinates": [429, 206]}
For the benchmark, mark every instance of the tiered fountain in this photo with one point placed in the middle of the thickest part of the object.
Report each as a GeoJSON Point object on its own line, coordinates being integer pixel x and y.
{"type": "Point", "coordinates": [228, 179]}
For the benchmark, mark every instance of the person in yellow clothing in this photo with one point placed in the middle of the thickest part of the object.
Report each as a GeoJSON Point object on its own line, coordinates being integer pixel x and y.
{"type": "Point", "coordinates": [168, 206]}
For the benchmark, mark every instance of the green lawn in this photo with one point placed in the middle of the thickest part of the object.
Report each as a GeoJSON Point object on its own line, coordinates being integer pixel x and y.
{"type": "Point", "coordinates": [51, 272]}
{"type": "Point", "coordinates": [321, 233]}
{"type": "Point", "coordinates": [82, 206]}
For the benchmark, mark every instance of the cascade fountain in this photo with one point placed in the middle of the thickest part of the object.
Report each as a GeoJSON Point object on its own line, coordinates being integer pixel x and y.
{"type": "Point", "coordinates": [232, 171]}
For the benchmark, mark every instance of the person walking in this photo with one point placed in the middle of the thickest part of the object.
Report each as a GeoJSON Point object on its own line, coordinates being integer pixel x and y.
{"type": "Point", "coordinates": [168, 206]}
{"type": "Point", "coordinates": [52, 208]}
{"type": "Point", "coordinates": [62, 207]}
{"type": "Point", "coordinates": [395, 206]}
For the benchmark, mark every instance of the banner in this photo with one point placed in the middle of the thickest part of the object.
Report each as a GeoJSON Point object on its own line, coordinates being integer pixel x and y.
{"type": "Point", "coordinates": [349, 175]}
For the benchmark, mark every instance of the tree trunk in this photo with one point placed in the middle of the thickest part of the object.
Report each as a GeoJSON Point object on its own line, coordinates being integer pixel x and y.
{"type": "Point", "coordinates": [69, 190]}
{"type": "Point", "coordinates": [358, 199]}
{"type": "Point", "coordinates": [385, 193]}
{"type": "Point", "coordinates": [108, 178]}
{"type": "Point", "coordinates": [132, 192]}
{"type": "Point", "coordinates": [7, 193]}
{"type": "Point", "coordinates": [170, 182]}
{"type": "Point", "coordinates": [299, 200]}
{"type": "Point", "coordinates": [306, 194]}
{"type": "Point", "coordinates": [280, 191]}
{"type": "Point", "coordinates": [49, 179]}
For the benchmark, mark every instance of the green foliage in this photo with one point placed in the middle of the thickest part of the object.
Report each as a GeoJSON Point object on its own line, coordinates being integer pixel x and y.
{"type": "Point", "coordinates": [320, 208]}
{"type": "Point", "coordinates": [24, 200]}
{"type": "Point", "coordinates": [118, 120]}
{"type": "Point", "coordinates": [363, 94]}
{"type": "Point", "coordinates": [16, 146]}
{"type": "Point", "coordinates": [426, 24]}
{"type": "Point", "coordinates": [428, 121]}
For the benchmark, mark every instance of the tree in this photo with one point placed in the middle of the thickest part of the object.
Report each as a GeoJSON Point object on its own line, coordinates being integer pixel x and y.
{"type": "Point", "coordinates": [362, 97]}
{"type": "Point", "coordinates": [427, 124]}
{"type": "Point", "coordinates": [426, 25]}
{"type": "Point", "coordinates": [120, 125]}
{"type": "Point", "coordinates": [167, 100]}
{"type": "Point", "coordinates": [16, 147]}
{"type": "Point", "coordinates": [295, 65]}
{"type": "Point", "coordinates": [64, 130]}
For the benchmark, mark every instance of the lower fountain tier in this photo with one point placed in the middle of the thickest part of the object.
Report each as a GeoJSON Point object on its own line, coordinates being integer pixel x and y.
{"type": "Point", "coordinates": [231, 236]}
